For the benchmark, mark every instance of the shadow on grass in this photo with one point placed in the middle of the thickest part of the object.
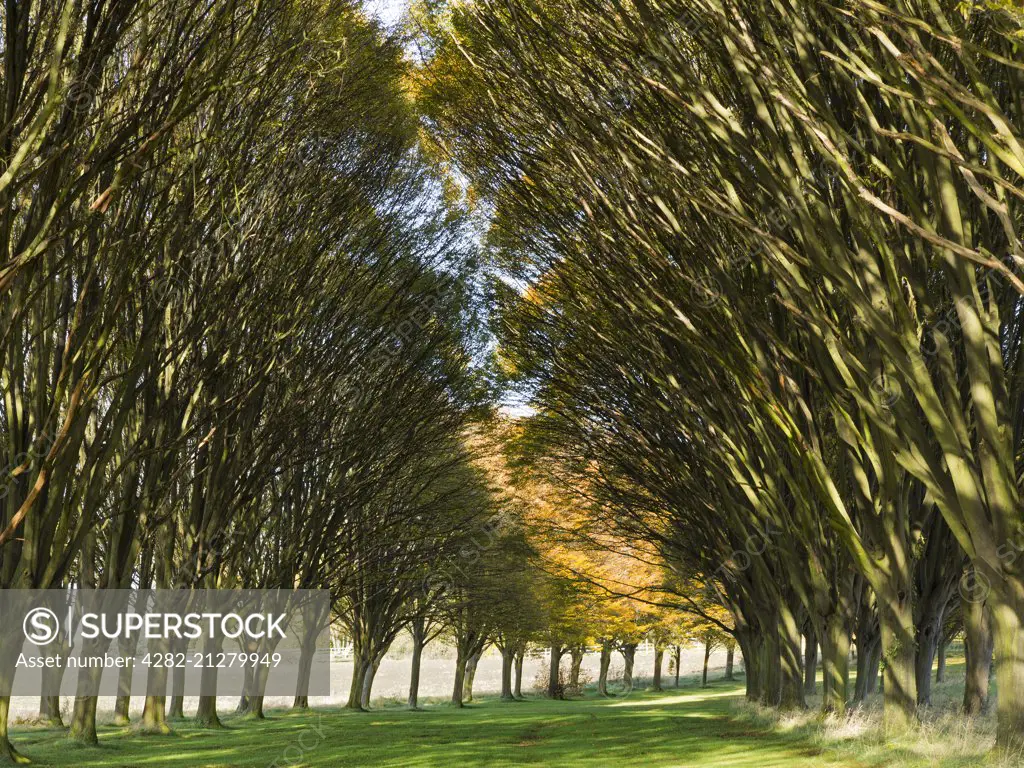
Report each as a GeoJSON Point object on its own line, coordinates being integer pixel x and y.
{"type": "Point", "coordinates": [675, 728]}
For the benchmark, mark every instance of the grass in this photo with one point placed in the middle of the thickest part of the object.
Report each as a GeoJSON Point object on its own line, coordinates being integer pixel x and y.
{"type": "Point", "coordinates": [944, 736]}
{"type": "Point", "coordinates": [688, 726]}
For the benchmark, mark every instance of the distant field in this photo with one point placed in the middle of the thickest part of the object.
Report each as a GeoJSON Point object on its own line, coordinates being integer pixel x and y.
{"type": "Point", "coordinates": [392, 680]}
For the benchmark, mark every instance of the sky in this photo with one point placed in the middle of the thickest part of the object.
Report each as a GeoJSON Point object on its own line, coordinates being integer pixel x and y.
{"type": "Point", "coordinates": [388, 11]}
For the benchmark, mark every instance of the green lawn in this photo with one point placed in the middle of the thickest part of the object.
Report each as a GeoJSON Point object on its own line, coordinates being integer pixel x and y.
{"type": "Point", "coordinates": [685, 727]}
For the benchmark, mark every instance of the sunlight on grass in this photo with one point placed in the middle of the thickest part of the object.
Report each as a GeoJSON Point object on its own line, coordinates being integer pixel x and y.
{"type": "Point", "coordinates": [683, 728]}
{"type": "Point", "coordinates": [666, 700]}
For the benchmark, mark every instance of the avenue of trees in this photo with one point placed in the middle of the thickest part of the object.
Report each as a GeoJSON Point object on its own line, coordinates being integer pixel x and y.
{"type": "Point", "coordinates": [237, 318]}
{"type": "Point", "coordinates": [267, 268]}
{"type": "Point", "coordinates": [241, 341]}
{"type": "Point", "coordinates": [763, 286]}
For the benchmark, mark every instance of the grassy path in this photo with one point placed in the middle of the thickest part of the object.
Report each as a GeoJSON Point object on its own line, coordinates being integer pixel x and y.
{"type": "Point", "coordinates": [688, 727]}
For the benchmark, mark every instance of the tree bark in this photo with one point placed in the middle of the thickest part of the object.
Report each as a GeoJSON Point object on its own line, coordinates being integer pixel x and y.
{"type": "Point", "coordinates": [707, 657]}
{"type": "Point", "coordinates": [154, 715]}
{"type": "Point", "coordinates": [791, 659]}
{"type": "Point", "coordinates": [518, 691]}
{"type": "Point", "coordinates": [659, 655]}
{"type": "Point", "coordinates": [874, 667]}
{"type": "Point", "coordinates": [126, 647]}
{"type": "Point", "coordinates": [1008, 635]}
{"type": "Point", "coordinates": [306, 653]}
{"type": "Point", "coordinates": [575, 663]}
{"type": "Point", "coordinates": [49, 710]}
{"type": "Point", "coordinates": [628, 657]}
{"type": "Point", "coordinates": [810, 662]}
{"type": "Point", "coordinates": [554, 688]}
{"type": "Point", "coordinates": [8, 754]}
{"type": "Point", "coordinates": [867, 666]}
{"type": "Point", "coordinates": [899, 702]}
{"type": "Point", "coordinates": [750, 647]}
{"type": "Point", "coordinates": [471, 666]}
{"type": "Point", "coordinates": [414, 675]}
{"type": "Point", "coordinates": [928, 634]}
{"type": "Point", "coordinates": [83, 720]}
{"type": "Point", "coordinates": [678, 655]}
{"type": "Point", "coordinates": [977, 655]}
{"type": "Point", "coordinates": [460, 678]}
{"type": "Point", "coordinates": [206, 713]}
{"type": "Point", "coordinates": [770, 669]}
{"type": "Point", "coordinates": [606, 661]}
{"type": "Point", "coordinates": [507, 661]}
{"type": "Point", "coordinates": [177, 710]}
{"type": "Point", "coordinates": [368, 678]}
{"type": "Point", "coordinates": [835, 658]}
{"type": "Point", "coordinates": [730, 660]}
{"type": "Point", "coordinates": [121, 705]}
{"type": "Point", "coordinates": [360, 666]}
{"type": "Point", "coordinates": [245, 700]}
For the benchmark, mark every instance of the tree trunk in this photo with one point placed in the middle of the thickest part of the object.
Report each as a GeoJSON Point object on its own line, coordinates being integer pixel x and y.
{"type": "Point", "coordinates": [707, 657]}
{"type": "Point", "coordinates": [628, 656]}
{"type": "Point", "coordinates": [414, 676]}
{"type": "Point", "coordinates": [1008, 635]}
{"type": "Point", "coordinates": [791, 659]}
{"type": "Point", "coordinates": [460, 678]}
{"type": "Point", "coordinates": [730, 660]}
{"type": "Point", "coordinates": [154, 709]}
{"type": "Point", "coordinates": [928, 634]}
{"type": "Point", "coordinates": [368, 678]}
{"type": "Point", "coordinates": [83, 720]}
{"type": "Point", "coordinates": [8, 754]}
{"type": "Point", "coordinates": [659, 655]}
{"type": "Point", "coordinates": [306, 653]}
{"type": "Point", "coordinates": [554, 688]}
{"type": "Point", "coordinates": [606, 661]}
{"type": "Point", "coordinates": [899, 679]}
{"type": "Point", "coordinates": [177, 710]}
{"type": "Point", "coordinates": [507, 661]}
{"type": "Point", "coordinates": [261, 674]}
{"type": "Point", "coordinates": [770, 669]}
{"type": "Point", "coordinates": [874, 666]}
{"type": "Point", "coordinates": [810, 663]}
{"type": "Point", "coordinates": [940, 667]}
{"type": "Point", "coordinates": [835, 658]}
{"type": "Point", "coordinates": [471, 665]}
{"type": "Point", "coordinates": [678, 655]}
{"type": "Point", "coordinates": [575, 663]}
{"type": "Point", "coordinates": [121, 704]}
{"type": "Point", "coordinates": [126, 647]}
{"type": "Point", "coordinates": [154, 715]}
{"type": "Point", "coordinates": [867, 675]}
{"type": "Point", "coordinates": [977, 655]}
{"type": "Point", "coordinates": [750, 647]}
{"type": "Point", "coordinates": [245, 700]}
{"type": "Point", "coordinates": [49, 710]}
{"type": "Point", "coordinates": [256, 708]}
{"type": "Point", "coordinates": [206, 713]}
{"type": "Point", "coordinates": [518, 692]}
{"type": "Point", "coordinates": [360, 666]}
